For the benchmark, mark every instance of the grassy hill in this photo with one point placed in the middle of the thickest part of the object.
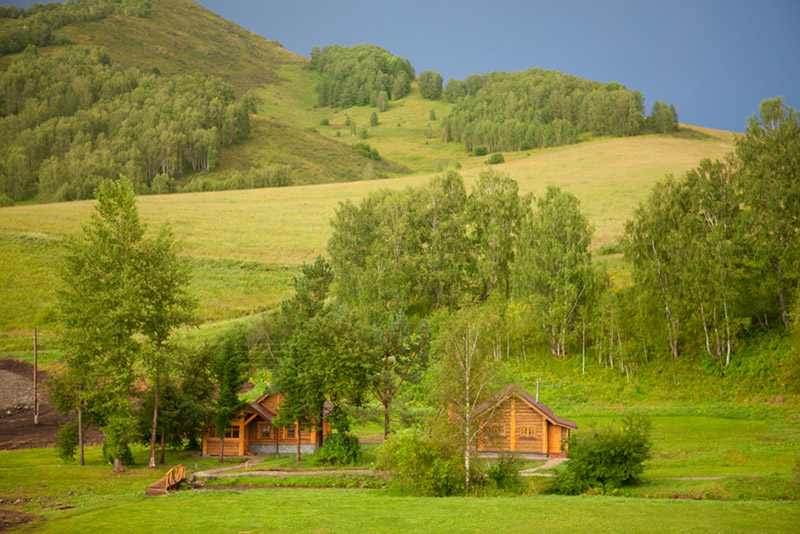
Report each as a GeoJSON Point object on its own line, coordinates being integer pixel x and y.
{"type": "Point", "coordinates": [245, 245]}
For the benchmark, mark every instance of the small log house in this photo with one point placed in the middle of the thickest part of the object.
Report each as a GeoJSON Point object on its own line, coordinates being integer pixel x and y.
{"type": "Point", "coordinates": [252, 432]}
{"type": "Point", "coordinates": [518, 423]}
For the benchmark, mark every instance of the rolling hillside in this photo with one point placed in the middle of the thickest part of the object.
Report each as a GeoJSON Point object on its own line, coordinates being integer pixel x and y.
{"type": "Point", "coordinates": [245, 245]}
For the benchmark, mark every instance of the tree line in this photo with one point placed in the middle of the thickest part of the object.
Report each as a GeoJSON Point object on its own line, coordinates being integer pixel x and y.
{"type": "Point", "coordinates": [539, 108]}
{"type": "Point", "coordinates": [362, 75]}
{"type": "Point", "coordinates": [71, 119]}
{"type": "Point", "coordinates": [20, 27]}
{"type": "Point", "coordinates": [713, 256]}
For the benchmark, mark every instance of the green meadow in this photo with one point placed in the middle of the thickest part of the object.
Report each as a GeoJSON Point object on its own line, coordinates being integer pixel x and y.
{"type": "Point", "coordinates": [721, 472]}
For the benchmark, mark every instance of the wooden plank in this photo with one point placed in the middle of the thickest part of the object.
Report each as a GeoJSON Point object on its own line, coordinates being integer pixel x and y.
{"type": "Point", "coordinates": [513, 424]}
{"type": "Point", "coordinates": [544, 436]}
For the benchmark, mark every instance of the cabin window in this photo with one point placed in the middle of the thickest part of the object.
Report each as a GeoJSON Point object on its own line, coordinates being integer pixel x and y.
{"type": "Point", "coordinates": [290, 432]}
{"type": "Point", "coordinates": [266, 431]}
{"type": "Point", "coordinates": [212, 432]}
{"type": "Point", "coordinates": [232, 432]}
{"type": "Point", "coordinates": [496, 430]}
{"type": "Point", "coordinates": [527, 432]}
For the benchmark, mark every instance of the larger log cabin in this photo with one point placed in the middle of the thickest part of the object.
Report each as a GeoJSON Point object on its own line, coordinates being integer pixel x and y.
{"type": "Point", "coordinates": [252, 432]}
{"type": "Point", "coordinates": [514, 421]}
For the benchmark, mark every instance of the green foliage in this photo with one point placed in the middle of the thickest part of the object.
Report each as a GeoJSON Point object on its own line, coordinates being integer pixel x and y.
{"type": "Point", "coordinates": [62, 142]}
{"type": "Point", "coordinates": [357, 76]}
{"type": "Point", "coordinates": [606, 459]}
{"type": "Point", "coordinates": [662, 118]}
{"type": "Point", "coordinates": [430, 85]}
{"type": "Point", "coordinates": [324, 122]}
{"type": "Point", "coordinates": [230, 370]}
{"type": "Point", "coordinates": [504, 473]}
{"type": "Point", "coordinates": [373, 119]}
{"type": "Point", "coordinates": [495, 158]}
{"type": "Point", "coordinates": [67, 441]}
{"type": "Point", "coordinates": [432, 115]}
{"type": "Point", "coordinates": [112, 452]}
{"type": "Point", "coordinates": [537, 108]}
{"type": "Point", "coordinates": [339, 448]}
{"type": "Point", "coordinates": [420, 465]}
{"type": "Point", "coordinates": [363, 133]}
{"type": "Point", "coordinates": [366, 151]}
{"type": "Point", "coordinates": [480, 150]}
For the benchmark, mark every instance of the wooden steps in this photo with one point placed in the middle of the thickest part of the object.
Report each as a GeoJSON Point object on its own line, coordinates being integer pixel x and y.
{"type": "Point", "coordinates": [174, 476]}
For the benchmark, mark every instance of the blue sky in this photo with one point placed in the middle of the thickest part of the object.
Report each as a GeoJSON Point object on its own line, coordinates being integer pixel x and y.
{"type": "Point", "coordinates": [714, 60]}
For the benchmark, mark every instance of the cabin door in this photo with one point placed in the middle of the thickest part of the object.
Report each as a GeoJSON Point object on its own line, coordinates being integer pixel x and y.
{"type": "Point", "coordinates": [554, 440]}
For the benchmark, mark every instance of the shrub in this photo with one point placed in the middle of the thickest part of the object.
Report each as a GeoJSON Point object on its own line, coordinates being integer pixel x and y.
{"type": "Point", "coordinates": [373, 119]}
{"type": "Point", "coordinates": [495, 158]}
{"type": "Point", "coordinates": [363, 149]}
{"type": "Point", "coordinates": [67, 441]}
{"type": "Point", "coordinates": [432, 115]}
{"type": "Point", "coordinates": [605, 459]}
{"type": "Point", "coordinates": [504, 473]}
{"type": "Point", "coordinates": [363, 133]}
{"type": "Point", "coordinates": [324, 122]}
{"type": "Point", "coordinates": [340, 448]}
{"type": "Point", "coordinates": [126, 455]}
{"type": "Point", "coordinates": [480, 151]}
{"type": "Point", "coordinates": [5, 200]}
{"type": "Point", "coordinates": [420, 465]}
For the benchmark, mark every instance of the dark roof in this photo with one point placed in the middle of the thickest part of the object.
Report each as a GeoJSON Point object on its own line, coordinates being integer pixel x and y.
{"type": "Point", "coordinates": [514, 389]}
{"type": "Point", "coordinates": [264, 412]}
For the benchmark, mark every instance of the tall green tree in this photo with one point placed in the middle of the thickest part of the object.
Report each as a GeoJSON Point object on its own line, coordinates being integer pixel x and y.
{"type": "Point", "coordinates": [465, 375]}
{"type": "Point", "coordinates": [402, 357]}
{"type": "Point", "coordinates": [102, 304]}
{"type": "Point", "coordinates": [494, 216]}
{"type": "Point", "coordinates": [658, 247]}
{"type": "Point", "coordinates": [430, 84]}
{"type": "Point", "coordinates": [165, 277]}
{"type": "Point", "coordinates": [229, 370]}
{"type": "Point", "coordinates": [553, 268]}
{"type": "Point", "coordinates": [770, 156]}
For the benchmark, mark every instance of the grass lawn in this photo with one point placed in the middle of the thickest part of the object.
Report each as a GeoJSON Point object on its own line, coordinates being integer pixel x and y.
{"type": "Point", "coordinates": [753, 455]}
{"type": "Point", "coordinates": [331, 510]}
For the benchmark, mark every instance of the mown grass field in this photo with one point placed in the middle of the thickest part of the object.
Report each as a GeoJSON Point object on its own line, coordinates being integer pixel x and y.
{"type": "Point", "coordinates": [244, 245]}
{"type": "Point", "coordinates": [753, 453]}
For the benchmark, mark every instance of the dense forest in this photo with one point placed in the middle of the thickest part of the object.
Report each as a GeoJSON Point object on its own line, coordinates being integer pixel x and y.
{"type": "Point", "coordinates": [363, 75]}
{"type": "Point", "coordinates": [35, 25]}
{"type": "Point", "coordinates": [70, 119]}
{"type": "Point", "coordinates": [538, 108]}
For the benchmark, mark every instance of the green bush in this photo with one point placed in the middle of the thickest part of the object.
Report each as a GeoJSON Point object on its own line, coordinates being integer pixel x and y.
{"type": "Point", "coordinates": [5, 200]}
{"type": "Point", "coordinates": [420, 465]}
{"type": "Point", "coordinates": [340, 448]}
{"type": "Point", "coordinates": [126, 455]}
{"type": "Point", "coordinates": [605, 459]}
{"type": "Point", "coordinates": [495, 158]}
{"type": "Point", "coordinates": [324, 122]}
{"type": "Point", "coordinates": [364, 150]}
{"type": "Point", "coordinates": [67, 441]}
{"type": "Point", "coordinates": [480, 151]}
{"type": "Point", "coordinates": [504, 473]}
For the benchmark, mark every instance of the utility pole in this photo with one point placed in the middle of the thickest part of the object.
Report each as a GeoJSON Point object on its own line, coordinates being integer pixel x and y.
{"type": "Point", "coordinates": [35, 383]}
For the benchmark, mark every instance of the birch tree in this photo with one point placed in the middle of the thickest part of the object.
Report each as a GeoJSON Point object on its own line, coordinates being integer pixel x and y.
{"type": "Point", "coordinates": [466, 375]}
{"type": "Point", "coordinates": [553, 268]}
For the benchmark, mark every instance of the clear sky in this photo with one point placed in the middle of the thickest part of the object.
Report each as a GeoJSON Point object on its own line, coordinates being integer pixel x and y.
{"type": "Point", "coordinates": [714, 60]}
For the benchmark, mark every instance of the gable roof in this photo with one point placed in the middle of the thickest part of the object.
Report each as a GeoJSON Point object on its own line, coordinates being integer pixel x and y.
{"type": "Point", "coordinates": [514, 390]}
{"type": "Point", "coordinates": [261, 410]}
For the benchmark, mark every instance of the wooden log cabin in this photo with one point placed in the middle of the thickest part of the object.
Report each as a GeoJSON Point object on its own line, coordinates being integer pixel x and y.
{"type": "Point", "coordinates": [517, 422]}
{"type": "Point", "coordinates": [252, 432]}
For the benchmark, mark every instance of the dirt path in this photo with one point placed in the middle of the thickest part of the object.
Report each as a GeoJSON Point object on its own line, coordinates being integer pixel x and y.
{"type": "Point", "coordinates": [549, 464]}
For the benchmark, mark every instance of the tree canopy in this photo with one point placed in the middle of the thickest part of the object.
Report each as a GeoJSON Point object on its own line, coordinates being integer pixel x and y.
{"type": "Point", "coordinates": [358, 75]}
